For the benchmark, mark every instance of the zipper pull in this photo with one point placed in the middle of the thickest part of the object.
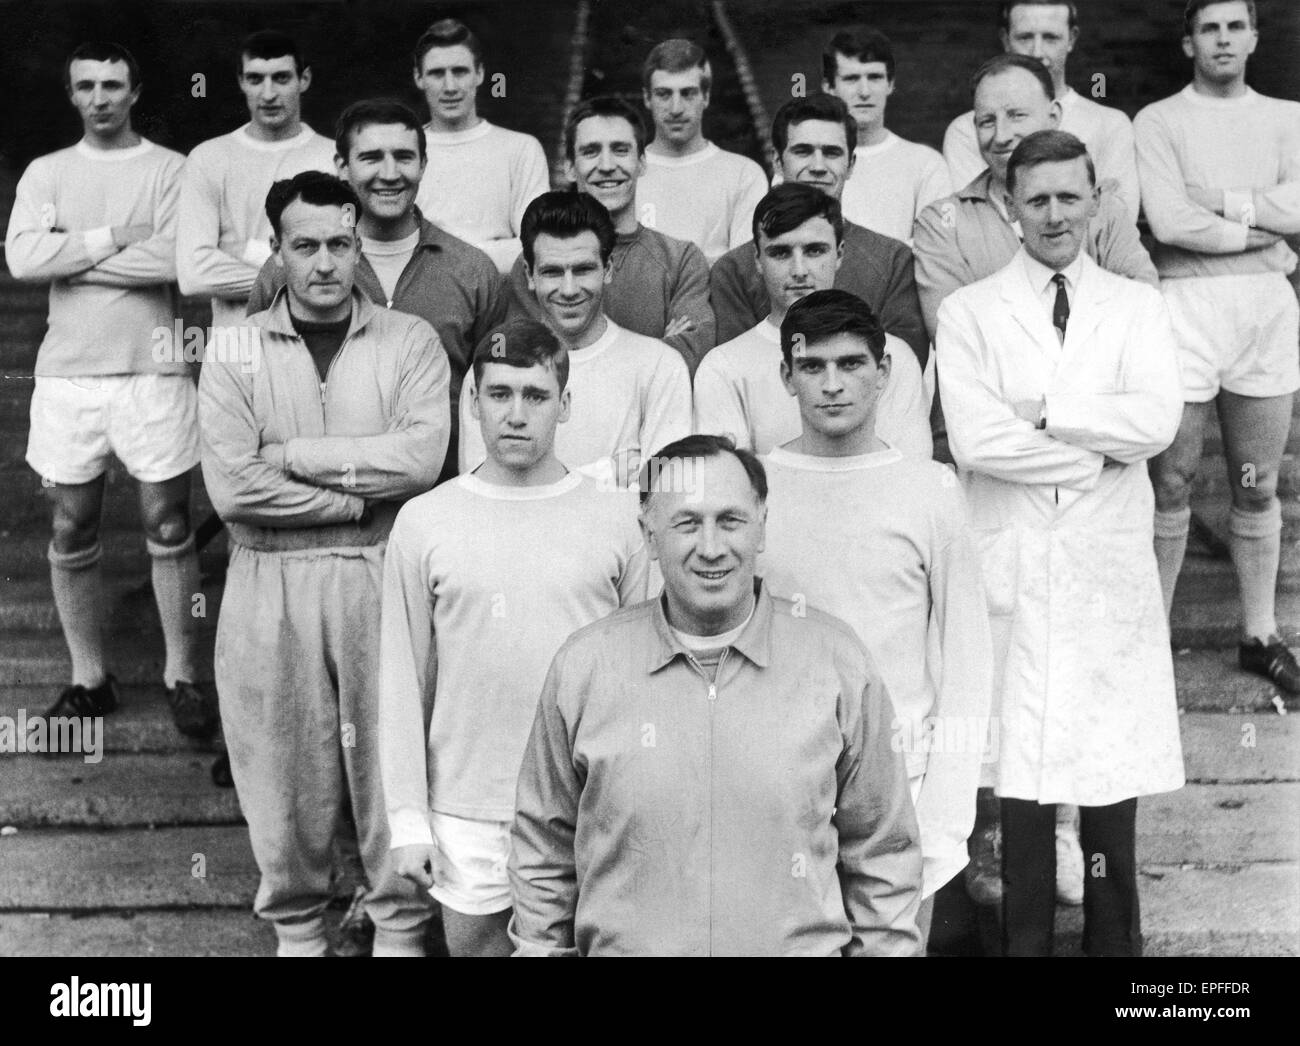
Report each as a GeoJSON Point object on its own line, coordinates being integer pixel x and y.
{"type": "Point", "coordinates": [322, 393]}
{"type": "Point", "coordinates": [390, 303]}
{"type": "Point", "coordinates": [713, 691]}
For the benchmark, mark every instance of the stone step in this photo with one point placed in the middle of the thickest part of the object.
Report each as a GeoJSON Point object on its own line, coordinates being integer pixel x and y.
{"type": "Point", "coordinates": [1240, 749]}
{"type": "Point", "coordinates": [1212, 622]}
{"type": "Point", "coordinates": [1208, 680]}
{"type": "Point", "coordinates": [134, 657]}
{"type": "Point", "coordinates": [1220, 825]}
{"type": "Point", "coordinates": [141, 724]}
{"type": "Point", "coordinates": [58, 869]}
{"type": "Point", "coordinates": [119, 790]}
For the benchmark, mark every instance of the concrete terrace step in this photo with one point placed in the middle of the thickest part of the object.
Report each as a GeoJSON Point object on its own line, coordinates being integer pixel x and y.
{"type": "Point", "coordinates": [57, 869]}
{"type": "Point", "coordinates": [1208, 680]}
{"type": "Point", "coordinates": [119, 791]}
{"type": "Point", "coordinates": [134, 657]}
{"type": "Point", "coordinates": [22, 554]}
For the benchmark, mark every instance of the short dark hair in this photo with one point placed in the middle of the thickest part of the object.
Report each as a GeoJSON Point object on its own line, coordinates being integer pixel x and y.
{"type": "Point", "coordinates": [701, 445]}
{"type": "Point", "coordinates": [1195, 7]}
{"type": "Point", "coordinates": [1047, 147]}
{"type": "Point", "coordinates": [565, 215]}
{"type": "Point", "coordinates": [314, 187]}
{"type": "Point", "coordinates": [1004, 12]}
{"type": "Point", "coordinates": [999, 64]}
{"type": "Point", "coordinates": [611, 107]}
{"type": "Point", "coordinates": [447, 32]}
{"type": "Point", "coordinates": [817, 106]}
{"type": "Point", "coordinates": [102, 51]}
{"type": "Point", "coordinates": [676, 56]}
{"type": "Point", "coordinates": [791, 204]}
{"type": "Point", "coordinates": [522, 342]}
{"type": "Point", "coordinates": [360, 115]}
{"type": "Point", "coordinates": [824, 314]}
{"type": "Point", "coordinates": [271, 43]}
{"type": "Point", "coordinates": [862, 45]}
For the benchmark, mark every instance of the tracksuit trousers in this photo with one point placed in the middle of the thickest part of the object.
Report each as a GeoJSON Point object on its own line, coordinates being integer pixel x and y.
{"type": "Point", "coordinates": [296, 667]}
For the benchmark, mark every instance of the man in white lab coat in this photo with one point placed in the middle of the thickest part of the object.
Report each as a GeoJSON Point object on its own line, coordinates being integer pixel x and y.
{"type": "Point", "coordinates": [1059, 381]}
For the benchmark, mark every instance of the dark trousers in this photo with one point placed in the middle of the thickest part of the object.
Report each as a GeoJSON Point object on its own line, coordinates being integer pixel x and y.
{"type": "Point", "coordinates": [1111, 920]}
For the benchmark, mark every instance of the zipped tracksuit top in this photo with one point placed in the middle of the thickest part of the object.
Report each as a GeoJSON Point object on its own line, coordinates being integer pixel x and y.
{"type": "Point", "coordinates": [291, 462]}
{"type": "Point", "coordinates": [762, 813]}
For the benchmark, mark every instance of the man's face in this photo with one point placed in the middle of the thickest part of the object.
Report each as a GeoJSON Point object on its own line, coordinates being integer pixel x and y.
{"type": "Point", "coordinates": [677, 102]}
{"type": "Point", "coordinates": [384, 167]}
{"type": "Point", "coordinates": [864, 87]}
{"type": "Point", "coordinates": [706, 540]}
{"type": "Point", "coordinates": [1222, 42]}
{"type": "Point", "coordinates": [1054, 202]}
{"type": "Point", "coordinates": [273, 90]}
{"type": "Point", "coordinates": [605, 162]}
{"type": "Point", "coordinates": [817, 153]}
{"type": "Point", "coordinates": [1008, 106]}
{"type": "Point", "coordinates": [798, 262]}
{"type": "Point", "coordinates": [837, 384]}
{"type": "Point", "coordinates": [101, 94]}
{"type": "Point", "coordinates": [450, 79]}
{"type": "Point", "coordinates": [568, 280]}
{"type": "Point", "coordinates": [1041, 32]}
{"type": "Point", "coordinates": [517, 410]}
{"type": "Point", "coordinates": [318, 248]}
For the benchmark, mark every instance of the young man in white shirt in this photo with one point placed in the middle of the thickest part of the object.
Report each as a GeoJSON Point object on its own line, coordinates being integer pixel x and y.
{"type": "Point", "coordinates": [223, 235]}
{"type": "Point", "coordinates": [479, 177]}
{"type": "Point", "coordinates": [513, 557]}
{"type": "Point", "coordinates": [691, 189]}
{"type": "Point", "coordinates": [882, 541]}
{"type": "Point", "coordinates": [893, 178]}
{"type": "Point", "coordinates": [1220, 170]}
{"type": "Point", "coordinates": [799, 244]}
{"type": "Point", "coordinates": [98, 220]}
{"type": "Point", "coordinates": [631, 393]}
{"type": "Point", "coordinates": [1047, 31]}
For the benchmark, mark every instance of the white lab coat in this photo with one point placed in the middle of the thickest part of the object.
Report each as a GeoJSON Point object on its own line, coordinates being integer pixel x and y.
{"type": "Point", "coordinates": [1087, 712]}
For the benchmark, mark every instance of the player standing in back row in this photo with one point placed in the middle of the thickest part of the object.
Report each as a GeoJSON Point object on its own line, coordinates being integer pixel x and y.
{"type": "Point", "coordinates": [691, 189]}
{"type": "Point", "coordinates": [1220, 171]}
{"type": "Point", "coordinates": [479, 177]}
{"type": "Point", "coordinates": [98, 219]}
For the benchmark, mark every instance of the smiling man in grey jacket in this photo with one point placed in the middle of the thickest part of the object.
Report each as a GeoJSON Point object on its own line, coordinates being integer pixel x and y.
{"type": "Point", "coordinates": [710, 772]}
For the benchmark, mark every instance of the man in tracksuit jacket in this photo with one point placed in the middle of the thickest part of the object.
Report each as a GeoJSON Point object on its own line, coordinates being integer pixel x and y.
{"type": "Point", "coordinates": [328, 415]}
{"type": "Point", "coordinates": [711, 772]}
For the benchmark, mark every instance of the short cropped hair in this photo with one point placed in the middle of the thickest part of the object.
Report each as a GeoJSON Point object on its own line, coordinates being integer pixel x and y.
{"type": "Point", "coordinates": [824, 314]}
{"type": "Point", "coordinates": [565, 215]}
{"type": "Point", "coordinates": [522, 342]}
{"type": "Point", "coordinates": [1195, 7]}
{"type": "Point", "coordinates": [1047, 147]}
{"type": "Point", "coordinates": [610, 107]}
{"type": "Point", "coordinates": [314, 187]}
{"type": "Point", "coordinates": [271, 43]}
{"type": "Point", "coordinates": [360, 115]}
{"type": "Point", "coordinates": [701, 445]}
{"type": "Point", "coordinates": [447, 32]}
{"type": "Point", "coordinates": [791, 204]}
{"type": "Point", "coordinates": [676, 56]}
{"type": "Point", "coordinates": [1004, 12]}
{"type": "Point", "coordinates": [102, 51]}
{"type": "Point", "coordinates": [862, 45]}
{"type": "Point", "coordinates": [1002, 63]}
{"type": "Point", "coordinates": [816, 106]}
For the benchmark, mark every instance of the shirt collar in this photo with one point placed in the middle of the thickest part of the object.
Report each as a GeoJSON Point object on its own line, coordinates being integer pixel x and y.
{"type": "Point", "coordinates": [978, 189]}
{"type": "Point", "coordinates": [1040, 276]}
{"type": "Point", "coordinates": [430, 235]}
{"type": "Point", "coordinates": [754, 641]}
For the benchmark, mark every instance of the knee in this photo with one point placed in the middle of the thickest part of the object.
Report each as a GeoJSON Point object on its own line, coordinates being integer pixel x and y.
{"type": "Point", "coordinates": [1171, 482]}
{"type": "Point", "coordinates": [1254, 489]}
{"type": "Point", "coordinates": [169, 526]}
{"type": "Point", "coordinates": [73, 533]}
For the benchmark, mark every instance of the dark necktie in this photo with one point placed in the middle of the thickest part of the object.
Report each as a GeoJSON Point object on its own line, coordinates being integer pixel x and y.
{"type": "Point", "coordinates": [1061, 308]}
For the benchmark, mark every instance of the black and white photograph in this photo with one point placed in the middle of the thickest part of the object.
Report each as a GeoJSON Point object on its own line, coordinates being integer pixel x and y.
{"type": "Point", "coordinates": [706, 478]}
